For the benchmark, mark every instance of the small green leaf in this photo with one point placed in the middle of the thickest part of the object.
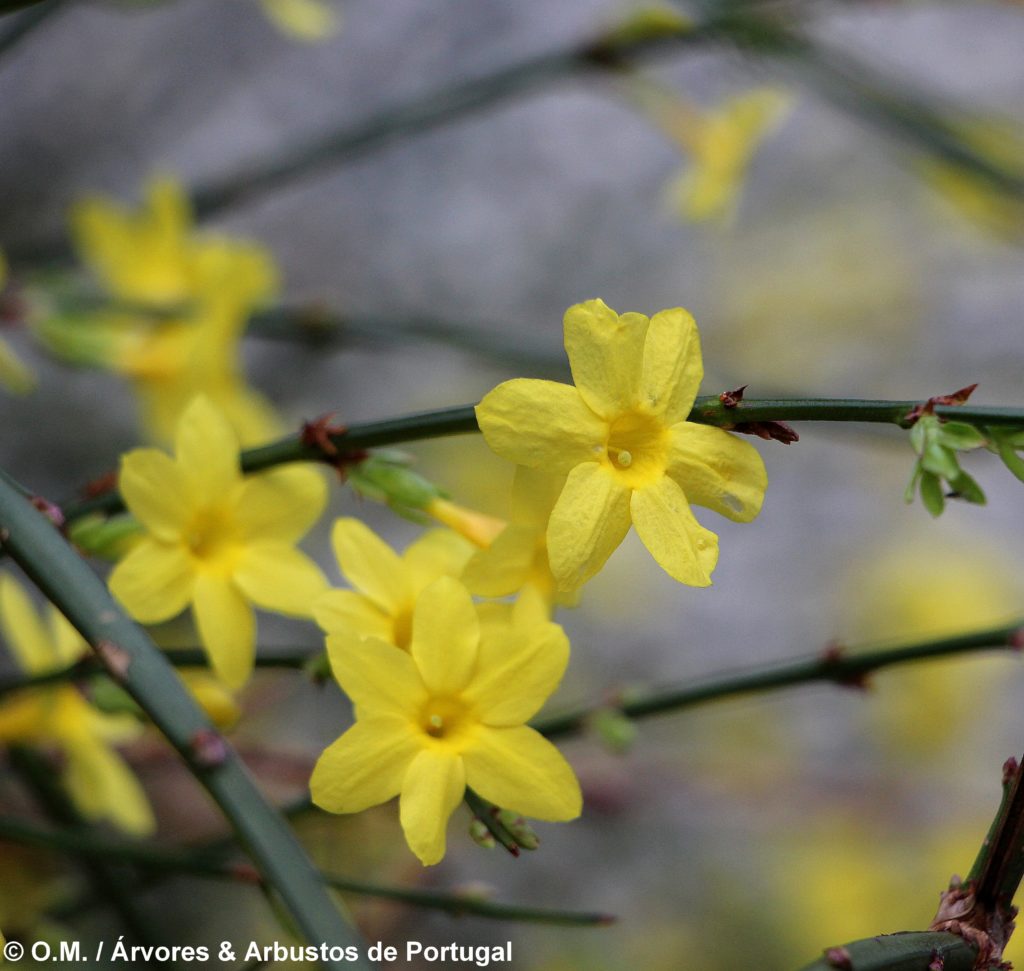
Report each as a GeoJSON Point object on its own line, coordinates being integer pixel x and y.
{"type": "Point", "coordinates": [964, 487]}
{"type": "Point", "coordinates": [1012, 460]}
{"type": "Point", "coordinates": [931, 493]}
{"type": "Point", "coordinates": [961, 437]}
{"type": "Point", "coordinates": [940, 460]}
{"type": "Point", "coordinates": [919, 434]}
{"type": "Point", "coordinates": [911, 489]}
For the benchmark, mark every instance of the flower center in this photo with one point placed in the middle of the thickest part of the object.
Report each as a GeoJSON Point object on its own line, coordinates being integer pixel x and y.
{"type": "Point", "coordinates": [637, 449]}
{"type": "Point", "coordinates": [446, 719]}
{"type": "Point", "coordinates": [211, 537]}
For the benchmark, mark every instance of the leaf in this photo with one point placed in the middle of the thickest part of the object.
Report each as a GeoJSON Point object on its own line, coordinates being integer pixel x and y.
{"type": "Point", "coordinates": [940, 461]}
{"type": "Point", "coordinates": [931, 493]}
{"type": "Point", "coordinates": [964, 487]}
{"type": "Point", "coordinates": [961, 437]}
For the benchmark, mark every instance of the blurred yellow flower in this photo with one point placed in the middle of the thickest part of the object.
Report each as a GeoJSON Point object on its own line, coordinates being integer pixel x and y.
{"type": "Point", "coordinates": [518, 556]}
{"type": "Point", "coordinates": [622, 438]}
{"type": "Point", "coordinates": [448, 714]}
{"type": "Point", "coordinates": [720, 143]}
{"type": "Point", "coordinates": [195, 294]}
{"type": "Point", "coordinates": [386, 585]}
{"type": "Point", "coordinates": [305, 19]}
{"type": "Point", "coordinates": [217, 540]}
{"type": "Point", "coordinates": [15, 376]}
{"type": "Point", "coordinates": [977, 197]}
{"type": "Point", "coordinates": [98, 779]}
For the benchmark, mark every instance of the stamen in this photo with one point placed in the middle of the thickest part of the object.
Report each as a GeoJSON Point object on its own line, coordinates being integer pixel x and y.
{"type": "Point", "coordinates": [624, 459]}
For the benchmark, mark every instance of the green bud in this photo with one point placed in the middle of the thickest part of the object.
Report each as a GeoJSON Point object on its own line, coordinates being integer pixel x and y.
{"type": "Point", "coordinates": [108, 539]}
{"type": "Point", "coordinates": [519, 829]}
{"type": "Point", "coordinates": [383, 478]}
{"type": "Point", "coordinates": [940, 460]}
{"type": "Point", "coordinates": [481, 835]}
{"type": "Point", "coordinates": [616, 732]}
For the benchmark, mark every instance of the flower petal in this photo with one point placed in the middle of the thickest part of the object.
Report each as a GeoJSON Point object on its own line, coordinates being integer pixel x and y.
{"type": "Point", "coordinates": [24, 631]}
{"type": "Point", "coordinates": [605, 353]}
{"type": "Point", "coordinates": [365, 766]}
{"type": "Point", "coordinates": [206, 448]}
{"type": "Point", "coordinates": [445, 636]}
{"type": "Point", "coordinates": [154, 581]}
{"type": "Point", "coordinates": [433, 786]}
{"type": "Point", "coordinates": [718, 470]}
{"type": "Point", "coordinates": [505, 565]}
{"type": "Point", "coordinates": [370, 565]}
{"type": "Point", "coordinates": [68, 645]}
{"type": "Point", "coordinates": [518, 671]}
{"type": "Point", "coordinates": [104, 787]}
{"type": "Point", "coordinates": [344, 611]}
{"type": "Point", "coordinates": [380, 678]}
{"type": "Point", "coordinates": [278, 577]}
{"type": "Point", "coordinates": [684, 549]}
{"type": "Point", "coordinates": [227, 628]}
{"type": "Point", "coordinates": [519, 769]}
{"type": "Point", "coordinates": [437, 553]}
{"type": "Point", "coordinates": [589, 521]}
{"type": "Point", "coordinates": [540, 423]}
{"type": "Point", "coordinates": [534, 494]}
{"type": "Point", "coordinates": [673, 367]}
{"type": "Point", "coordinates": [281, 504]}
{"type": "Point", "coordinates": [155, 492]}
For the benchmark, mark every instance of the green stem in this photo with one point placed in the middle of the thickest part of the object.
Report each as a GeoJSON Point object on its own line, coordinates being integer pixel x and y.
{"type": "Point", "coordinates": [206, 863]}
{"type": "Point", "coordinates": [836, 666]}
{"type": "Point", "coordinates": [31, 540]}
{"type": "Point", "coordinates": [461, 419]}
{"type": "Point", "coordinates": [918, 951]}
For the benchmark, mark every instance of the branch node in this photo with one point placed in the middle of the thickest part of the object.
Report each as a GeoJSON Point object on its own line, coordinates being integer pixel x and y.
{"type": "Point", "coordinates": [319, 434]}
{"type": "Point", "coordinates": [833, 660]}
{"type": "Point", "coordinates": [928, 408]}
{"type": "Point", "coordinates": [839, 957]}
{"type": "Point", "coordinates": [730, 399]}
{"type": "Point", "coordinates": [208, 749]}
{"type": "Point", "coordinates": [115, 659]}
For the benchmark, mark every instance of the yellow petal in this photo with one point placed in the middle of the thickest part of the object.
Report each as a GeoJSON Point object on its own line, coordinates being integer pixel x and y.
{"type": "Point", "coordinates": [378, 677]}
{"type": "Point", "coordinates": [505, 566]}
{"type": "Point", "coordinates": [365, 766]}
{"type": "Point", "coordinates": [433, 786]}
{"type": "Point", "coordinates": [605, 351]}
{"type": "Point", "coordinates": [24, 632]}
{"type": "Point", "coordinates": [218, 703]}
{"type": "Point", "coordinates": [341, 611]}
{"type": "Point", "coordinates": [68, 645]}
{"type": "Point", "coordinates": [281, 504]}
{"type": "Point", "coordinates": [673, 367]}
{"type": "Point", "coordinates": [305, 19]}
{"type": "Point", "coordinates": [445, 636]}
{"type": "Point", "coordinates": [683, 548]}
{"type": "Point", "coordinates": [534, 494]}
{"type": "Point", "coordinates": [370, 565]}
{"type": "Point", "coordinates": [718, 470]}
{"type": "Point", "coordinates": [155, 491]}
{"type": "Point", "coordinates": [206, 448]}
{"type": "Point", "coordinates": [278, 577]}
{"type": "Point", "coordinates": [104, 787]}
{"type": "Point", "coordinates": [154, 581]}
{"type": "Point", "coordinates": [519, 769]}
{"type": "Point", "coordinates": [589, 521]}
{"type": "Point", "coordinates": [437, 553]}
{"type": "Point", "coordinates": [227, 628]}
{"type": "Point", "coordinates": [517, 673]}
{"type": "Point", "coordinates": [540, 423]}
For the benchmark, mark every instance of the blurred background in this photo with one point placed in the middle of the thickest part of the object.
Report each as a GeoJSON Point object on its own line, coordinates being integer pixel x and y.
{"type": "Point", "coordinates": [850, 262]}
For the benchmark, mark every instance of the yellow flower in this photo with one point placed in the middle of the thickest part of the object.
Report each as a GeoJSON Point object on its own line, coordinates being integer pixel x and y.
{"type": "Point", "coordinates": [386, 585]}
{"type": "Point", "coordinates": [304, 19]}
{"type": "Point", "coordinates": [518, 556]}
{"type": "Point", "coordinates": [14, 375]}
{"type": "Point", "coordinates": [479, 528]}
{"type": "Point", "coordinates": [450, 713]}
{"type": "Point", "coordinates": [621, 437]}
{"type": "Point", "coordinates": [98, 780]}
{"type": "Point", "coordinates": [720, 142]}
{"type": "Point", "coordinates": [206, 287]}
{"type": "Point", "coordinates": [217, 540]}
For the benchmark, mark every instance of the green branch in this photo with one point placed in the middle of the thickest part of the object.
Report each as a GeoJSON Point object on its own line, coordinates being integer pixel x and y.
{"type": "Point", "coordinates": [136, 663]}
{"type": "Point", "coordinates": [922, 951]}
{"type": "Point", "coordinates": [835, 665]}
{"type": "Point", "coordinates": [461, 419]}
{"type": "Point", "coordinates": [207, 864]}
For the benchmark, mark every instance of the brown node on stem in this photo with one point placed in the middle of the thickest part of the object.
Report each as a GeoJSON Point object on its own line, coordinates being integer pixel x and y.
{"type": "Point", "coordinates": [208, 748]}
{"type": "Point", "coordinates": [50, 510]}
{"type": "Point", "coordinates": [319, 434]}
{"type": "Point", "coordinates": [832, 658]}
{"type": "Point", "coordinates": [928, 408]}
{"type": "Point", "coordinates": [771, 431]}
{"type": "Point", "coordinates": [115, 659]}
{"type": "Point", "coordinates": [730, 399]}
{"type": "Point", "coordinates": [839, 957]}
{"type": "Point", "coordinates": [101, 485]}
